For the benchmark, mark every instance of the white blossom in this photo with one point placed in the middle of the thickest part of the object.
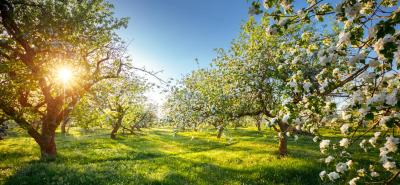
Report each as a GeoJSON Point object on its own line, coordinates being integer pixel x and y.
{"type": "Point", "coordinates": [345, 128]}
{"type": "Point", "coordinates": [344, 142]}
{"type": "Point", "coordinates": [388, 38]}
{"type": "Point", "coordinates": [391, 144]}
{"type": "Point", "coordinates": [322, 174]}
{"type": "Point", "coordinates": [283, 22]}
{"type": "Point", "coordinates": [336, 72]}
{"type": "Point", "coordinates": [344, 38]}
{"type": "Point", "coordinates": [324, 60]}
{"type": "Point", "coordinates": [383, 121]}
{"type": "Point", "coordinates": [285, 118]}
{"type": "Point", "coordinates": [353, 10]}
{"type": "Point", "coordinates": [389, 165]}
{"type": "Point", "coordinates": [324, 145]}
{"type": "Point", "coordinates": [341, 167]}
{"type": "Point", "coordinates": [362, 144]}
{"type": "Point", "coordinates": [307, 86]}
{"type": "Point", "coordinates": [391, 99]}
{"type": "Point", "coordinates": [329, 159]}
{"type": "Point", "coordinates": [374, 174]}
{"type": "Point", "coordinates": [354, 181]}
{"type": "Point", "coordinates": [396, 56]}
{"type": "Point", "coordinates": [271, 30]}
{"type": "Point", "coordinates": [349, 163]}
{"type": "Point", "coordinates": [372, 31]}
{"type": "Point", "coordinates": [378, 46]}
{"type": "Point", "coordinates": [372, 141]}
{"type": "Point", "coordinates": [333, 176]}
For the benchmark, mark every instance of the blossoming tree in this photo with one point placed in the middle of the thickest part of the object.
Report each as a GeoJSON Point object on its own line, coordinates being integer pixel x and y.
{"type": "Point", "coordinates": [361, 64]}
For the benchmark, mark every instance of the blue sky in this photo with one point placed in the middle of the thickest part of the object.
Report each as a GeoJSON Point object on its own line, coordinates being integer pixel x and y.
{"type": "Point", "coordinates": [169, 35]}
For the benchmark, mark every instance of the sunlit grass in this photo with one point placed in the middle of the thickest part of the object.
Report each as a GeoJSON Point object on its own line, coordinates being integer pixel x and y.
{"type": "Point", "coordinates": [157, 157]}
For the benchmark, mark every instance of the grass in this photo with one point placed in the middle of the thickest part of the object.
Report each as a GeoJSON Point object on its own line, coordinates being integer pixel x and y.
{"type": "Point", "coordinates": [157, 157]}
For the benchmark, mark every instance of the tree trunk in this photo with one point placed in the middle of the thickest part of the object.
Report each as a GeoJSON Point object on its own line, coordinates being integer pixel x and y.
{"type": "Point", "coordinates": [48, 147]}
{"type": "Point", "coordinates": [283, 139]}
{"type": "Point", "coordinates": [258, 123]}
{"type": "Point", "coordinates": [116, 127]}
{"type": "Point", "coordinates": [114, 131]}
{"type": "Point", "coordinates": [220, 131]}
{"type": "Point", "coordinates": [64, 125]}
{"type": "Point", "coordinates": [283, 145]}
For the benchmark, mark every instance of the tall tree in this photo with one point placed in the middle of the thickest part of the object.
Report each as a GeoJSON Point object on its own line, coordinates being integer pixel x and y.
{"type": "Point", "coordinates": [39, 38]}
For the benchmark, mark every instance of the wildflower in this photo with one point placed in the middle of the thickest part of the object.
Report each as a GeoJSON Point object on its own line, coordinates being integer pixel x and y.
{"type": "Point", "coordinates": [361, 172]}
{"type": "Point", "coordinates": [354, 180]}
{"type": "Point", "coordinates": [362, 144]}
{"type": "Point", "coordinates": [329, 159]}
{"type": "Point", "coordinates": [333, 176]}
{"type": "Point", "coordinates": [315, 139]}
{"type": "Point", "coordinates": [389, 165]}
{"type": "Point", "coordinates": [341, 167]}
{"type": "Point", "coordinates": [322, 175]}
{"type": "Point", "coordinates": [349, 163]}
{"type": "Point", "coordinates": [374, 174]}
{"type": "Point", "coordinates": [344, 142]}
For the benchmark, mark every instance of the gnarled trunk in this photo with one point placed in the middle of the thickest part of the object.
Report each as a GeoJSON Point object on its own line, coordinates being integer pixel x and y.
{"type": "Point", "coordinates": [220, 131]}
{"type": "Point", "coordinates": [116, 127]}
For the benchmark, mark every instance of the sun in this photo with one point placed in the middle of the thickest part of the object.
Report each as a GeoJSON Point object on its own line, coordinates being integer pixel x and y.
{"type": "Point", "coordinates": [64, 74]}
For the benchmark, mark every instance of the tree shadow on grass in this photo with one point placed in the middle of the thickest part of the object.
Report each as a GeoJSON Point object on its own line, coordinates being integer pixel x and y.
{"type": "Point", "coordinates": [183, 171]}
{"type": "Point", "coordinates": [178, 171]}
{"type": "Point", "coordinates": [145, 153]}
{"type": "Point", "coordinates": [38, 173]}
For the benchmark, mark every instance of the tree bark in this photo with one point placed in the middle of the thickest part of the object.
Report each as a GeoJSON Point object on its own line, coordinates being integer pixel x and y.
{"type": "Point", "coordinates": [283, 145]}
{"type": "Point", "coordinates": [64, 125]}
{"type": "Point", "coordinates": [283, 139]}
{"type": "Point", "coordinates": [116, 127]}
{"type": "Point", "coordinates": [258, 123]}
{"type": "Point", "coordinates": [220, 131]}
{"type": "Point", "coordinates": [48, 147]}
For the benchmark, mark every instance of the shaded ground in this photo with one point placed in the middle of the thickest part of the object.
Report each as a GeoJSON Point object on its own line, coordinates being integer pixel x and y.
{"type": "Point", "coordinates": [159, 158]}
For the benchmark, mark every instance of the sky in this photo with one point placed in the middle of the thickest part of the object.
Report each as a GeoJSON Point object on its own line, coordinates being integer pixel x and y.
{"type": "Point", "coordinates": [168, 35]}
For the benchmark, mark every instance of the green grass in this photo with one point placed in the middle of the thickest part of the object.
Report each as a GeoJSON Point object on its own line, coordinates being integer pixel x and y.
{"type": "Point", "coordinates": [156, 157]}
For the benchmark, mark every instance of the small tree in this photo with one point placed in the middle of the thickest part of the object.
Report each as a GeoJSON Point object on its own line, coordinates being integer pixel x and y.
{"type": "Point", "coordinates": [119, 98]}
